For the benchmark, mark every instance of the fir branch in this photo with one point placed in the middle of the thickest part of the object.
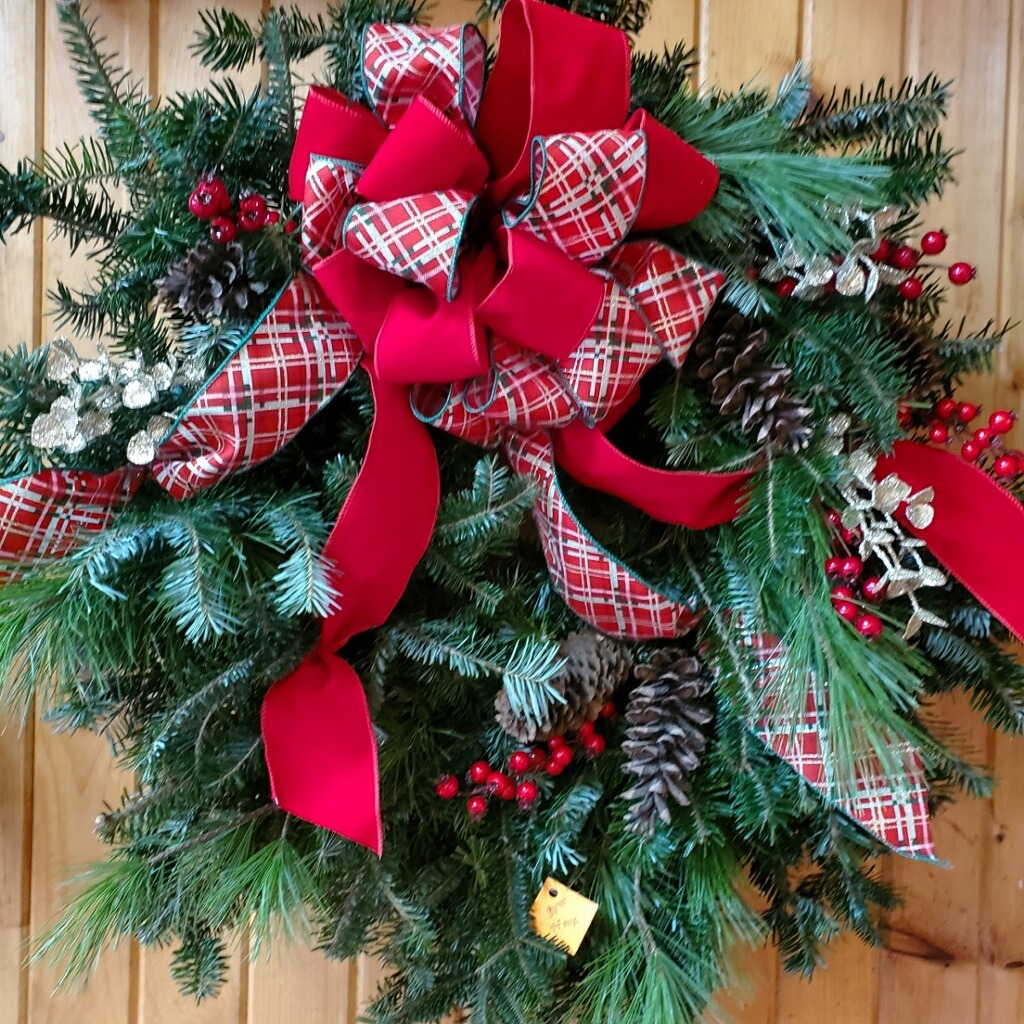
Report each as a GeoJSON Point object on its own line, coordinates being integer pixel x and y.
{"type": "Point", "coordinates": [868, 114]}
{"type": "Point", "coordinates": [227, 42]}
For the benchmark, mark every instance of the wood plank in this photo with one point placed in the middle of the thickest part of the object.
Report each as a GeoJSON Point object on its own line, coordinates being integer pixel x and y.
{"type": "Point", "coordinates": [297, 983]}
{"type": "Point", "coordinates": [742, 42]}
{"type": "Point", "coordinates": [917, 991]}
{"type": "Point", "coordinates": [670, 22]}
{"type": "Point", "coordinates": [855, 43]}
{"type": "Point", "coordinates": [844, 989]}
{"type": "Point", "coordinates": [74, 775]}
{"type": "Point", "coordinates": [19, 274]}
{"type": "Point", "coordinates": [751, 998]}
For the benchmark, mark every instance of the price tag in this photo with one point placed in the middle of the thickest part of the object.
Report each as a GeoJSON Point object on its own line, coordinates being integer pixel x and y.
{"type": "Point", "coordinates": [562, 915]}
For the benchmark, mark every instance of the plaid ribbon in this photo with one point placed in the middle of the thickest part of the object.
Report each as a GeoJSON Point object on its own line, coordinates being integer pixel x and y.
{"type": "Point", "coordinates": [893, 808]}
{"type": "Point", "coordinates": [294, 361]}
{"type": "Point", "coordinates": [595, 585]}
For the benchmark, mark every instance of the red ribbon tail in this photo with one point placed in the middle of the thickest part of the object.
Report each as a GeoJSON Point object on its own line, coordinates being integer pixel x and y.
{"type": "Point", "coordinates": [692, 499]}
{"type": "Point", "coordinates": [982, 560]}
{"type": "Point", "coordinates": [320, 750]}
{"type": "Point", "coordinates": [317, 734]}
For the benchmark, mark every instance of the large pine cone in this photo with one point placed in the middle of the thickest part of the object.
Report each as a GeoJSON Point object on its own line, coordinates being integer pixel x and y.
{"type": "Point", "coordinates": [668, 721]}
{"type": "Point", "coordinates": [213, 281]}
{"type": "Point", "coordinates": [595, 667]}
{"type": "Point", "coordinates": [744, 383]}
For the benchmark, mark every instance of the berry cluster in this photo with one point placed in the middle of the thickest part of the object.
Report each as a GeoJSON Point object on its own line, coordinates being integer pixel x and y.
{"type": "Point", "coordinates": [952, 418]}
{"type": "Point", "coordinates": [906, 257]}
{"type": "Point", "coordinates": [514, 782]}
{"type": "Point", "coordinates": [856, 589]}
{"type": "Point", "coordinates": [902, 257]}
{"type": "Point", "coordinates": [210, 200]}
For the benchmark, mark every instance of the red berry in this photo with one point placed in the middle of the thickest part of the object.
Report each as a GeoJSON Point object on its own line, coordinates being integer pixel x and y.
{"type": "Point", "coordinates": [527, 792]}
{"type": "Point", "coordinates": [961, 273]}
{"type": "Point", "coordinates": [870, 626]}
{"type": "Point", "coordinates": [447, 787]}
{"type": "Point", "coordinates": [967, 411]}
{"type": "Point", "coordinates": [519, 762]}
{"type": "Point", "coordinates": [904, 416]}
{"type": "Point", "coordinates": [786, 287]}
{"type": "Point", "coordinates": [911, 288]}
{"type": "Point", "coordinates": [971, 451]}
{"type": "Point", "coordinates": [479, 771]}
{"type": "Point", "coordinates": [497, 781]}
{"type": "Point", "coordinates": [905, 257]}
{"type": "Point", "coordinates": [586, 730]}
{"type": "Point", "coordinates": [273, 217]}
{"type": "Point", "coordinates": [1006, 466]}
{"type": "Point", "coordinates": [553, 767]}
{"type": "Point", "coordinates": [219, 191]}
{"type": "Point", "coordinates": [846, 610]}
{"type": "Point", "coordinates": [938, 432]}
{"type": "Point", "coordinates": [289, 226]}
{"type": "Point", "coordinates": [833, 567]}
{"type": "Point", "coordinates": [984, 437]}
{"type": "Point", "coordinates": [873, 588]}
{"type": "Point", "coordinates": [222, 229]}
{"type": "Point", "coordinates": [882, 252]}
{"type": "Point", "coordinates": [842, 593]}
{"type": "Point", "coordinates": [946, 408]}
{"type": "Point", "coordinates": [851, 568]}
{"type": "Point", "coordinates": [201, 204]}
{"type": "Point", "coordinates": [851, 537]}
{"type": "Point", "coordinates": [252, 212]}
{"type": "Point", "coordinates": [477, 807]}
{"type": "Point", "coordinates": [1001, 421]}
{"type": "Point", "coordinates": [608, 710]}
{"type": "Point", "coordinates": [834, 518]}
{"type": "Point", "coordinates": [538, 755]}
{"type": "Point", "coordinates": [562, 756]}
{"type": "Point", "coordinates": [508, 791]}
{"type": "Point", "coordinates": [555, 742]}
{"type": "Point", "coordinates": [594, 746]}
{"type": "Point", "coordinates": [933, 242]}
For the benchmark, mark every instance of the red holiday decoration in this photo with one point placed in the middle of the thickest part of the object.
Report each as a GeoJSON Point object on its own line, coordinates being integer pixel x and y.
{"type": "Point", "coordinates": [933, 242]}
{"type": "Point", "coordinates": [911, 288]}
{"type": "Point", "coordinates": [906, 257]}
{"type": "Point", "coordinates": [447, 787]}
{"type": "Point", "coordinates": [961, 273]}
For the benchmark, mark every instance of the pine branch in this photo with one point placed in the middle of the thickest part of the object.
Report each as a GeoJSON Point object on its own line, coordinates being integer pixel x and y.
{"type": "Point", "coordinates": [871, 114]}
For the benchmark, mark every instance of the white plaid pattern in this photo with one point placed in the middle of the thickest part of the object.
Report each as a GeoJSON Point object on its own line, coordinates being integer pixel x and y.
{"type": "Point", "coordinates": [417, 237]}
{"type": "Point", "coordinates": [330, 194]}
{"type": "Point", "coordinates": [894, 811]}
{"type": "Point", "coordinates": [585, 191]}
{"type": "Point", "coordinates": [523, 391]}
{"type": "Point", "coordinates": [296, 360]}
{"type": "Point", "coordinates": [597, 587]}
{"type": "Point", "coordinates": [618, 351]}
{"type": "Point", "coordinates": [443, 65]}
{"type": "Point", "coordinates": [42, 514]}
{"type": "Point", "coordinates": [672, 293]}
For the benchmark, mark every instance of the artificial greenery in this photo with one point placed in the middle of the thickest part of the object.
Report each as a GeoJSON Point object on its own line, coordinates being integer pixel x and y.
{"type": "Point", "coordinates": [165, 630]}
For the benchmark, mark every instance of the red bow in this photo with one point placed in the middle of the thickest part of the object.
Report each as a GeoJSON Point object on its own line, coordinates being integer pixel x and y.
{"type": "Point", "coordinates": [494, 274]}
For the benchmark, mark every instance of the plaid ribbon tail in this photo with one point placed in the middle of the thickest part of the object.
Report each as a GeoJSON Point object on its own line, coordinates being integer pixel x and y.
{"type": "Point", "coordinates": [893, 810]}
{"type": "Point", "coordinates": [597, 587]}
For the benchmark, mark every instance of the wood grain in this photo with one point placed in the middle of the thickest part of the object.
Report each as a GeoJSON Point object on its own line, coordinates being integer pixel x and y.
{"type": "Point", "coordinates": [958, 943]}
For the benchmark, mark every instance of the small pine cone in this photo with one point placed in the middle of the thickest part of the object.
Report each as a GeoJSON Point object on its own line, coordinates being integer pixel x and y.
{"type": "Point", "coordinates": [213, 281]}
{"type": "Point", "coordinates": [666, 735]}
{"type": "Point", "coordinates": [745, 383]}
{"type": "Point", "coordinates": [595, 667]}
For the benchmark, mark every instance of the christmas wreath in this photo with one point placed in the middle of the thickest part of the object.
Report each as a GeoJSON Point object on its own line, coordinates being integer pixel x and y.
{"type": "Point", "coordinates": [507, 520]}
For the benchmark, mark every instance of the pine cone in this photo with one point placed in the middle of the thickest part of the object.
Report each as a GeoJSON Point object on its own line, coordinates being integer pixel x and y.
{"type": "Point", "coordinates": [745, 383]}
{"type": "Point", "coordinates": [666, 736]}
{"type": "Point", "coordinates": [595, 667]}
{"type": "Point", "coordinates": [214, 280]}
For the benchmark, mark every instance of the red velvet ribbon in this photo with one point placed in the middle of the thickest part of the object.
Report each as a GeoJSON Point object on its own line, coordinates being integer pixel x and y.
{"type": "Point", "coordinates": [318, 736]}
{"type": "Point", "coordinates": [976, 529]}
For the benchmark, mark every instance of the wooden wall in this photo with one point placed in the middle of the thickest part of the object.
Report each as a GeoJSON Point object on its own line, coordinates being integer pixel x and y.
{"type": "Point", "coordinates": [956, 950]}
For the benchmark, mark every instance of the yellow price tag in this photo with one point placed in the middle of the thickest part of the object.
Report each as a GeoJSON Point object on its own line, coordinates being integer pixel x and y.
{"type": "Point", "coordinates": [562, 915]}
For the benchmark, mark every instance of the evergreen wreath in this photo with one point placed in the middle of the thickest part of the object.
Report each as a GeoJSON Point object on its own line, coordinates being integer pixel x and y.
{"type": "Point", "coordinates": [666, 678]}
